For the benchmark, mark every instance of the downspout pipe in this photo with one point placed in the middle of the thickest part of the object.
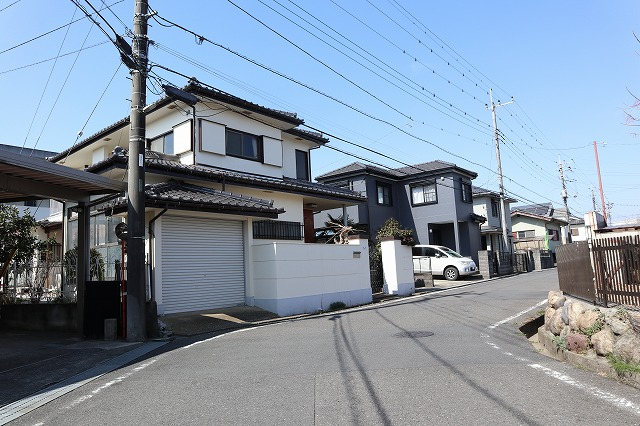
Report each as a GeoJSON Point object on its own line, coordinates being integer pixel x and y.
{"type": "Point", "coordinates": [152, 235]}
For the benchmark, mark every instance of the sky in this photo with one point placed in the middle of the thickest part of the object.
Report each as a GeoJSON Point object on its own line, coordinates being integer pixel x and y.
{"type": "Point", "coordinates": [408, 79]}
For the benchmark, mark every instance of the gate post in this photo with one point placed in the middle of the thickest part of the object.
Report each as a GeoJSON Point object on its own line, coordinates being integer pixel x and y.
{"type": "Point", "coordinates": [397, 267]}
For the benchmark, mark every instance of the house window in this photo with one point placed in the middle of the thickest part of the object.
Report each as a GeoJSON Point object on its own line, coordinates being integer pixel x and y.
{"type": "Point", "coordinates": [553, 234]}
{"type": "Point", "coordinates": [243, 145]}
{"type": "Point", "coordinates": [384, 194]}
{"type": "Point", "coordinates": [466, 192]}
{"type": "Point", "coordinates": [277, 230]}
{"type": "Point", "coordinates": [575, 232]}
{"type": "Point", "coordinates": [31, 203]}
{"type": "Point", "coordinates": [302, 165]}
{"type": "Point", "coordinates": [525, 234]}
{"type": "Point", "coordinates": [494, 208]}
{"type": "Point", "coordinates": [162, 144]}
{"type": "Point", "coordinates": [425, 193]}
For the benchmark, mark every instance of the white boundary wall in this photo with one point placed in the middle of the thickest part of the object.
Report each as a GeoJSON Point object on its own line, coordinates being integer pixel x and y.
{"type": "Point", "coordinates": [291, 277]}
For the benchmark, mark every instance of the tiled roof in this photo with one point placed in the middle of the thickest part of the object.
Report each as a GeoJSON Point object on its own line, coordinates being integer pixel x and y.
{"type": "Point", "coordinates": [307, 134]}
{"type": "Point", "coordinates": [541, 209]}
{"type": "Point", "coordinates": [39, 153]}
{"type": "Point", "coordinates": [358, 167]}
{"type": "Point", "coordinates": [192, 87]}
{"type": "Point", "coordinates": [478, 191]}
{"type": "Point", "coordinates": [179, 195]}
{"type": "Point", "coordinates": [185, 171]}
{"type": "Point", "coordinates": [398, 173]}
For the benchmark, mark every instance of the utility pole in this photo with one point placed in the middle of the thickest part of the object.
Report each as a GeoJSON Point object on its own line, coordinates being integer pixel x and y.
{"type": "Point", "coordinates": [564, 199]}
{"type": "Point", "coordinates": [604, 209]}
{"type": "Point", "coordinates": [136, 283]}
{"type": "Point", "coordinates": [503, 217]}
{"type": "Point", "coordinates": [593, 199]}
{"type": "Point", "coordinates": [609, 207]}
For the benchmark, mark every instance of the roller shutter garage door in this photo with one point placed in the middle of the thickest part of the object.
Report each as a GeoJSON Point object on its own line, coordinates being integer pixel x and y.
{"type": "Point", "coordinates": [202, 264]}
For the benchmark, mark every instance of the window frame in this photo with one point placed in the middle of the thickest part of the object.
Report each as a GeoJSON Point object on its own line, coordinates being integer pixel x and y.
{"type": "Point", "coordinates": [259, 145]}
{"type": "Point", "coordinates": [308, 164]}
{"type": "Point", "coordinates": [525, 233]}
{"type": "Point", "coordinates": [384, 185]}
{"type": "Point", "coordinates": [423, 184]}
{"type": "Point", "coordinates": [162, 136]}
{"type": "Point", "coordinates": [465, 189]}
{"type": "Point", "coordinates": [495, 208]}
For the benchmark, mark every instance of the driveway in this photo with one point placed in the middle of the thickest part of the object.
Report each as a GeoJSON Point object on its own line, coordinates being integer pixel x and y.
{"type": "Point", "coordinates": [449, 357]}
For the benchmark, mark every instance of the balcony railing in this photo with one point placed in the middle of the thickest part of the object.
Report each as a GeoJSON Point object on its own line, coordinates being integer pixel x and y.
{"type": "Point", "coordinates": [277, 230]}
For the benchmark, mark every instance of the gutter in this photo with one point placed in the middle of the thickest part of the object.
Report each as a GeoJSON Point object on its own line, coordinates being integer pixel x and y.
{"type": "Point", "coordinates": [152, 235]}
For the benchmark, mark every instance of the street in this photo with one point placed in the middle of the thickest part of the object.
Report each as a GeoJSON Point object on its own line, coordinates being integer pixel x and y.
{"type": "Point", "coordinates": [449, 357]}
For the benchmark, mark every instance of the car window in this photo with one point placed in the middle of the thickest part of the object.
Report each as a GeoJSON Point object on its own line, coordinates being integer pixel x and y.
{"type": "Point", "coordinates": [430, 251]}
{"type": "Point", "coordinates": [451, 252]}
{"type": "Point", "coordinates": [418, 251]}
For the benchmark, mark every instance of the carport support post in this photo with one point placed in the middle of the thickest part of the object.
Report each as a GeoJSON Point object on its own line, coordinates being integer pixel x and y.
{"type": "Point", "coordinates": [83, 264]}
{"type": "Point", "coordinates": [456, 234]}
{"type": "Point", "coordinates": [136, 283]}
{"type": "Point", "coordinates": [345, 216]}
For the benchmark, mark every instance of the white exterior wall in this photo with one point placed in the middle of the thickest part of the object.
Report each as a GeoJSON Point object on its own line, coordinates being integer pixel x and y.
{"type": "Point", "coordinates": [397, 265]}
{"type": "Point", "coordinates": [482, 206]}
{"type": "Point", "coordinates": [291, 203]}
{"type": "Point", "coordinates": [294, 277]}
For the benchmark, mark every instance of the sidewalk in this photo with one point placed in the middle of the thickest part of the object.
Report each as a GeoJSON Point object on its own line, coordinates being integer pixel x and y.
{"type": "Point", "coordinates": [31, 361]}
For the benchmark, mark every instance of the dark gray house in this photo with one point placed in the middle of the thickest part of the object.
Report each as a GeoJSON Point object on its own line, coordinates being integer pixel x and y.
{"type": "Point", "coordinates": [434, 199]}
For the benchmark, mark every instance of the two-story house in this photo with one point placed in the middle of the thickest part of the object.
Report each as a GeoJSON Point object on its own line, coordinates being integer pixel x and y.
{"type": "Point", "coordinates": [486, 203]}
{"type": "Point", "coordinates": [537, 226]}
{"type": "Point", "coordinates": [229, 208]}
{"type": "Point", "coordinates": [434, 199]}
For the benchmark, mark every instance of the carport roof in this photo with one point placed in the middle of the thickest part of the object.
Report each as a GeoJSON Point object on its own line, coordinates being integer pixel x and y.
{"type": "Point", "coordinates": [183, 196]}
{"type": "Point", "coordinates": [24, 177]}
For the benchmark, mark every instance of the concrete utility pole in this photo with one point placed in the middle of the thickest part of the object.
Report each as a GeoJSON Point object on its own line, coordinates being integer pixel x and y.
{"type": "Point", "coordinates": [604, 208]}
{"type": "Point", "coordinates": [136, 284]}
{"type": "Point", "coordinates": [593, 199]}
{"type": "Point", "coordinates": [564, 199]}
{"type": "Point", "coordinates": [503, 217]}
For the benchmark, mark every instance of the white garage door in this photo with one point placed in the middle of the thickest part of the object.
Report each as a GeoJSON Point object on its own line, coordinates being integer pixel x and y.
{"type": "Point", "coordinates": [202, 264]}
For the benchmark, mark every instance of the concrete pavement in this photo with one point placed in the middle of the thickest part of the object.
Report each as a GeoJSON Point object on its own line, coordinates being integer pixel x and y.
{"type": "Point", "coordinates": [454, 356]}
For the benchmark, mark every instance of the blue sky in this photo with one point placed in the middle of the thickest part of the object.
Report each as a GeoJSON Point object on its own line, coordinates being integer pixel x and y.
{"type": "Point", "coordinates": [568, 64]}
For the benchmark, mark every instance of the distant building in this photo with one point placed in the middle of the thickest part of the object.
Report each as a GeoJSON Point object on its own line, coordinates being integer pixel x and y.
{"type": "Point", "coordinates": [486, 203]}
{"type": "Point", "coordinates": [537, 226]}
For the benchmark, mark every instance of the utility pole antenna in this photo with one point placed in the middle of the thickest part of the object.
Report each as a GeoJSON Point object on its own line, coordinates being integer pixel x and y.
{"type": "Point", "coordinates": [604, 208]}
{"type": "Point", "coordinates": [564, 198]}
{"type": "Point", "coordinates": [503, 217]}
{"type": "Point", "coordinates": [136, 282]}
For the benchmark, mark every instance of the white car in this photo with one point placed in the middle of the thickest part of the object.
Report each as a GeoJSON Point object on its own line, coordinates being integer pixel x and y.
{"type": "Point", "coordinates": [440, 260]}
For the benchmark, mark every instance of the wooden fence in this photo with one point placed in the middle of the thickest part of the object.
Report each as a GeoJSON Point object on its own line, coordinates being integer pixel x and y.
{"type": "Point", "coordinates": [575, 274]}
{"type": "Point", "coordinates": [607, 273]}
{"type": "Point", "coordinates": [617, 270]}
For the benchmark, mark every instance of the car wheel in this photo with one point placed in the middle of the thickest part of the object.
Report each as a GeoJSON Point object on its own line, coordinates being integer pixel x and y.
{"type": "Point", "coordinates": [451, 273]}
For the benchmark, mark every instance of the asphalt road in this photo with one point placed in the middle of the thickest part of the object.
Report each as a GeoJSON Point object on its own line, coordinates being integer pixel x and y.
{"type": "Point", "coordinates": [379, 365]}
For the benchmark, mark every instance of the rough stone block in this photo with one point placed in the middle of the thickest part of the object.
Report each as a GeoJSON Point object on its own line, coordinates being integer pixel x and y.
{"type": "Point", "coordinates": [577, 342]}
{"type": "Point", "coordinates": [627, 347]}
{"type": "Point", "coordinates": [603, 341]}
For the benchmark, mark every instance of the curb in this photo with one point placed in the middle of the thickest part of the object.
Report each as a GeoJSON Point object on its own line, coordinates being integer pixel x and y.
{"type": "Point", "coordinates": [597, 365]}
{"type": "Point", "coordinates": [19, 408]}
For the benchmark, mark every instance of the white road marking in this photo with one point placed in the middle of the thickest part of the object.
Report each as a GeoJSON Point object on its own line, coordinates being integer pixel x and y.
{"type": "Point", "coordinates": [219, 336]}
{"type": "Point", "coordinates": [110, 383]}
{"type": "Point", "coordinates": [512, 317]}
{"type": "Point", "coordinates": [593, 390]}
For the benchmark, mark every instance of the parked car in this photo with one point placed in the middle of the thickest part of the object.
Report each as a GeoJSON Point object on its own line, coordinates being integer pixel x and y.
{"type": "Point", "coordinates": [440, 260]}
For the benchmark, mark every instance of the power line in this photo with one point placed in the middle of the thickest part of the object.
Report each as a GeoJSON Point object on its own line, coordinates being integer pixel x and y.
{"type": "Point", "coordinates": [50, 31]}
{"type": "Point", "coordinates": [9, 5]}
{"type": "Point", "coordinates": [35, 114]}
{"type": "Point", "coordinates": [389, 70]}
{"type": "Point", "coordinates": [64, 83]}
{"type": "Point", "coordinates": [405, 51]}
{"type": "Point", "coordinates": [116, 16]}
{"type": "Point", "coordinates": [53, 58]}
{"type": "Point", "coordinates": [384, 121]}
{"type": "Point", "coordinates": [321, 62]}
{"type": "Point", "coordinates": [79, 135]}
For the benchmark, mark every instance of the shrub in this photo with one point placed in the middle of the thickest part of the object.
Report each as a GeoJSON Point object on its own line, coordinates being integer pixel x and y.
{"type": "Point", "coordinates": [621, 366]}
{"type": "Point", "coordinates": [560, 342]}
{"type": "Point", "coordinates": [336, 306]}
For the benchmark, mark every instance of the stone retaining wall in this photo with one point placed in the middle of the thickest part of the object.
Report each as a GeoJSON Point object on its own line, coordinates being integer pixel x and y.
{"type": "Point", "coordinates": [573, 328]}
